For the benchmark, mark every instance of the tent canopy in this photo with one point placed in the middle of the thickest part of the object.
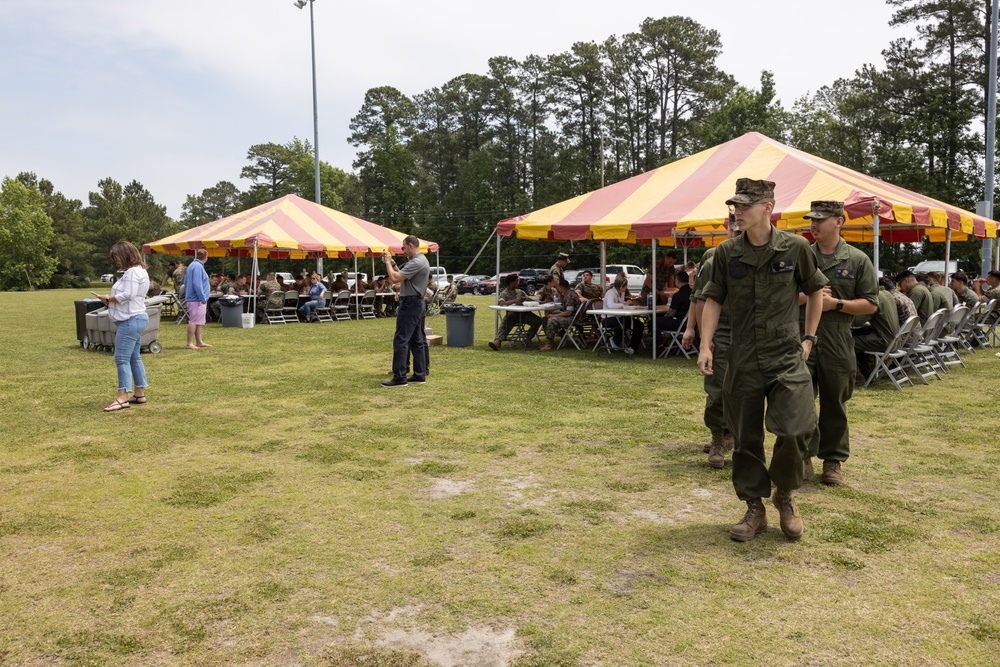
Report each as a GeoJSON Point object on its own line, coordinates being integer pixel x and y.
{"type": "Point", "coordinates": [684, 201]}
{"type": "Point", "coordinates": [287, 228]}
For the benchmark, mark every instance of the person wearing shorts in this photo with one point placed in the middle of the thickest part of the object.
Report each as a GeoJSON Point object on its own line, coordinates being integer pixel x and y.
{"type": "Point", "coordinates": [196, 290]}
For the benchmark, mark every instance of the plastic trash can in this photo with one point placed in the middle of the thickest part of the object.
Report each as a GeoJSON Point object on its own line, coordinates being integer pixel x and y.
{"type": "Point", "coordinates": [82, 308]}
{"type": "Point", "coordinates": [460, 323]}
{"type": "Point", "coordinates": [232, 310]}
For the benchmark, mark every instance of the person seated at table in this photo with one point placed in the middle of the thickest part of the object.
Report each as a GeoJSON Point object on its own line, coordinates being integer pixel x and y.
{"type": "Point", "coordinates": [230, 285]}
{"type": "Point", "coordinates": [340, 283]}
{"type": "Point", "coordinates": [680, 303]}
{"type": "Point", "coordinates": [316, 300]}
{"type": "Point", "coordinates": [549, 290]}
{"type": "Point", "coordinates": [666, 279]}
{"type": "Point", "coordinates": [269, 286]}
{"type": "Point", "coordinates": [213, 284]}
{"type": "Point", "coordinates": [587, 288]}
{"type": "Point", "coordinates": [301, 285]}
{"type": "Point", "coordinates": [557, 321]}
{"type": "Point", "coordinates": [359, 285]}
{"type": "Point", "coordinates": [510, 295]}
{"type": "Point", "coordinates": [242, 285]}
{"type": "Point", "coordinates": [450, 292]}
{"type": "Point", "coordinates": [617, 297]}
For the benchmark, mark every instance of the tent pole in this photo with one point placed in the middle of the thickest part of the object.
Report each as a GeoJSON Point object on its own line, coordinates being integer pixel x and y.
{"type": "Point", "coordinates": [875, 222]}
{"type": "Point", "coordinates": [255, 281]}
{"type": "Point", "coordinates": [496, 293]}
{"type": "Point", "coordinates": [603, 278]}
{"type": "Point", "coordinates": [652, 317]}
{"type": "Point", "coordinates": [947, 254]}
{"type": "Point", "coordinates": [357, 302]}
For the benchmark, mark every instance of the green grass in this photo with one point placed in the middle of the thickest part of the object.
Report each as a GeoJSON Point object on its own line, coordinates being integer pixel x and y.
{"type": "Point", "coordinates": [273, 504]}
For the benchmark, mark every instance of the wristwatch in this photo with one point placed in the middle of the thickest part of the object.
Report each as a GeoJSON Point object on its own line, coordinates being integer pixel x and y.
{"type": "Point", "coordinates": [811, 339]}
{"type": "Point", "coordinates": [840, 304]}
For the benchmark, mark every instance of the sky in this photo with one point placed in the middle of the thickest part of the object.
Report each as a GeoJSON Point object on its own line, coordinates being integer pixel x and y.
{"type": "Point", "coordinates": [172, 93]}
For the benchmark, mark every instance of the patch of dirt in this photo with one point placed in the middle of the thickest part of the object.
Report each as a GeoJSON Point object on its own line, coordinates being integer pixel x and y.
{"type": "Point", "coordinates": [519, 491]}
{"type": "Point", "coordinates": [446, 488]}
{"type": "Point", "coordinates": [701, 493]}
{"type": "Point", "coordinates": [476, 647]}
{"type": "Point", "coordinates": [651, 516]}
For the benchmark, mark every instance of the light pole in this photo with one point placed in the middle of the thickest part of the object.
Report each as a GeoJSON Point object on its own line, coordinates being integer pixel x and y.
{"type": "Point", "coordinates": [312, 40]}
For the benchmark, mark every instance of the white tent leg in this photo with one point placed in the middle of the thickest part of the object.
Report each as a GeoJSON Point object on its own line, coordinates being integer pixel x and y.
{"type": "Point", "coordinates": [357, 302]}
{"type": "Point", "coordinates": [875, 234]}
{"type": "Point", "coordinates": [947, 255]}
{"type": "Point", "coordinates": [653, 290]}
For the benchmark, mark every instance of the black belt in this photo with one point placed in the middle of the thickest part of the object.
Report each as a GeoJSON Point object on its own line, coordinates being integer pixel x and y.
{"type": "Point", "coordinates": [412, 296]}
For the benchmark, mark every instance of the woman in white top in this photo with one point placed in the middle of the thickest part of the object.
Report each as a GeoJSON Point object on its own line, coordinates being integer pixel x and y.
{"type": "Point", "coordinates": [617, 297]}
{"type": "Point", "coordinates": [127, 307]}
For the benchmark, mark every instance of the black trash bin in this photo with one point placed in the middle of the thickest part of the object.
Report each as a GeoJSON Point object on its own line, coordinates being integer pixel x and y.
{"type": "Point", "coordinates": [82, 308]}
{"type": "Point", "coordinates": [460, 323]}
{"type": "Point", "coordinates": [232, 310]}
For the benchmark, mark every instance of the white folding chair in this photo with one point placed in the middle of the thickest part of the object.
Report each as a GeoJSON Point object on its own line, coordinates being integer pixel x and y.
{"type": "Point", "coordinates": [572, 334]}
{"type": "Point", "coordinates": [274, 308]}
{"type": "Point", "coordinates": [323, 313]}
{"type": "Point", "coordinates": [947, 346]}
{"type": "Point", "coordinates": [676, 338]}
{"type": "Point", "coordinates": [341, 308]}
{"type": "Point", "coordinates": [367, 305]}
{"type": "Point", "coordinates": [889, 362]}
{"type": "Point", "coordinates": [920, 355]}
{"type": "Point", "coordinates": [290, 307]}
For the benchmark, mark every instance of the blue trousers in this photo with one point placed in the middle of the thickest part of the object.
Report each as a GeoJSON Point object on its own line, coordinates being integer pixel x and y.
{"type": "Point", "coordinates": [127, 341]}
{"type": "Point", "coordinates": [409, 339]}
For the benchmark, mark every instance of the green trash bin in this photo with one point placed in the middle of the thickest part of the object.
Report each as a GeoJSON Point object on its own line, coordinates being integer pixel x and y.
{"type": "Point", "coordinates": [460, 324]}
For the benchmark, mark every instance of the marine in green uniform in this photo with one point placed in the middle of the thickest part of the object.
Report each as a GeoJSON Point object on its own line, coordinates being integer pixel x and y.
{"type": "Point", "coordinates": [760, 274]}
{"type": "Point", "coordinates": [548, 292]}
{"type": "Point", "coordinates": [918, 293]}
{"type": "Point", "coordinates": [852, 290]}
{"type": "Point", "coordinates": [873, 333]}
{"type": "Point", "coordinates": [715, 418]}
{"type": "Point", "coordinates": [557, 321]}
{"type": "Point", "coordinates": [963, 293]}
{"type": "Point", "coordinates": [587, 288]}
{"type": "Point", "coordinates": [941, 295]}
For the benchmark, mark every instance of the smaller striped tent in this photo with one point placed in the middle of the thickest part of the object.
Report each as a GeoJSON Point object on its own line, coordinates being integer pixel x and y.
{"type": "Point", "coordinates": [287, 228]}
{"type": "Point", "coordinates": [684, 202]}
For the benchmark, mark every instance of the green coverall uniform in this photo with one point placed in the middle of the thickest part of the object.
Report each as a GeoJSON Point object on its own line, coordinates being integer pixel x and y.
{"type": "Point", "coordinates": [761, 287]}
{"type": "Point", "coordinates": [832, 363]}
{"type": "Point", "coordinates": [921, 298]}
{"type": "Point", "coordinates": [715, 418]}
{"type": "Point", "coordinates": [872, 333]}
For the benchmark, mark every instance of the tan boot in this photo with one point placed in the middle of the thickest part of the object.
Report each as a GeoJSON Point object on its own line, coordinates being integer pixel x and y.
{"type": "Point", "coordinates": [707, 447]}
{"type": "Point", "coordinates": [548, 347]}
{"type": "Point", "coordinates": [495, 344]}
{"type": "Point", "coordinates": [831, 473]}
{"type": "Point", "coordinates": [717, 458]}
{"type": "Point", "coordinates": [791, 522]}
{"type": "Point", "coordinates": [754, 522]}
{"type": "Point", "coordinates": [728, 441]}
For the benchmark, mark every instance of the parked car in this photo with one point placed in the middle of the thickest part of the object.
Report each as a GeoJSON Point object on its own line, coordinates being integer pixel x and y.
{"type": "Point", "coordinates": [636, 276]}
{"type": "Point", "coordinates": [532, 279]}
{"type": "Point", "coordinates": [954, 266]}
{"type": "Point", "coordinates": [286, 277]}
{"type": "Point", "coordinates": [467, 285]}
{"type": "Point", "coordinates": [108, 278]}
{"type": "Point", "coordinates": [489, 286]}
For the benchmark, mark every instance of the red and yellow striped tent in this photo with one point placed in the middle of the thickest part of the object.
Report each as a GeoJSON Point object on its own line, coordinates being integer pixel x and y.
{"type": "Point", "coordinates": [684, 201]}
{"type": "Point", "coordinates": [287, 228]}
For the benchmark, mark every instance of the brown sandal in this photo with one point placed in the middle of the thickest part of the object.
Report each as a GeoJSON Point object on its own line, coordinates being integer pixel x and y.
{"type": "Point", "coordinates": [116, 406]}
{"type": "Point", "coordinates": [137, 400]}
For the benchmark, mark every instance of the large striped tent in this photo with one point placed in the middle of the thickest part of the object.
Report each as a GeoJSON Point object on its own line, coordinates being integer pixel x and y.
{"type": "Point", "coordinates": [685, 201]}
{"type": "Point", "coordinates": [287, 228]}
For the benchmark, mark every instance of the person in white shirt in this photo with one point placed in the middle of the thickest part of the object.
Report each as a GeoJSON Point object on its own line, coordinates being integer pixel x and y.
{"type": "Point", "coordinates": [127, 307]}
{"type": "Point", "coordinates": [617, 297]}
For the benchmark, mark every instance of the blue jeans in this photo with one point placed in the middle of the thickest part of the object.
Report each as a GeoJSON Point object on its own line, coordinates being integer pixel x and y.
{"type": "Point", "coordinates": [307, 308]}
{"type": "Point", "coordinates": [127, 340]}
{"type": "Point", "coordinates": [409, 338]}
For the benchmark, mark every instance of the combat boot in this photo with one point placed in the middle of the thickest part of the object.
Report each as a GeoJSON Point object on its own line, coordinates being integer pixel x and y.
{"type": "Point", "coordinates": [716, 457]}
{"type": "Point", "coordinates": [791, 522]}
{"type": "Point", "coordinates": [754, 522]}
{"type": "Point", "coordinates": [728, 441]}
{"type": "Point", "coordinates": [831, 473]}
{"type": "Point", "coordinates": [808, 465]}
{"type": "Point", "coordinates": [495, 344]}
{"type": "Point", "coordinates": [547, 347]}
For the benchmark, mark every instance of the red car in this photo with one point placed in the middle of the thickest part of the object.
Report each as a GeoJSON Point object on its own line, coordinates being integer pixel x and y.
{"type": "Point", "coordinates": [489, 286]}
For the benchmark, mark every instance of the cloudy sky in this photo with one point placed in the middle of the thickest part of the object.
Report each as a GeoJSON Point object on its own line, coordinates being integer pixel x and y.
{"type": "Point", "coordinates": [172, 93]}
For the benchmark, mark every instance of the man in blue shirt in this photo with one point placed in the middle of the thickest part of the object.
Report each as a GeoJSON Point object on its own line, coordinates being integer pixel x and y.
{"type": "Point", "coordinates": [409, 338]}
{"type": "Point", "coordinates": [196, 290]}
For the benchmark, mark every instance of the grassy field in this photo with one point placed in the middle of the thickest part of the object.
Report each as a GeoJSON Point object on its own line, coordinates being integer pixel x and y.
{"type": "Point", "coordinates": [273, 505]}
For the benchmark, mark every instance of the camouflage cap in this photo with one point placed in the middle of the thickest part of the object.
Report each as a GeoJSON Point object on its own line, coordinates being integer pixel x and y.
{"type": "Point", "coordinates": [749, 191]}
{"type": "Point", "coordinates": [825, 208]}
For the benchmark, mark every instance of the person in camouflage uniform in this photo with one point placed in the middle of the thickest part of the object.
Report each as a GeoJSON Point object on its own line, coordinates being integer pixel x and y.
{"type": "Point", "coordinates": [510, 295]}
{"type": "Point", "coordinates": [177, 276]}
{"type": "Point", "coordinates": [666, 274]}
{"type": "Point", "coordinates": [960, 287]}
{"type": "Point", "coordinates": [587, 289]}
{"type": "Point", "coordinates": [904, 305]}
{"type": "Point", "coordinates": [549, 290]}
{"type": "Point", "coordinates": [559, 267]}
{"type": "Point", "coordinates": [918, 293]}
{"type": "Point", "coordinates": [991, 292]}
{"type": "Point", "coordinates": [852, 290]}
{"type": "Point", "coordinates": [557, 321]}
{"type": "Point", "coordinates": [760, 274]}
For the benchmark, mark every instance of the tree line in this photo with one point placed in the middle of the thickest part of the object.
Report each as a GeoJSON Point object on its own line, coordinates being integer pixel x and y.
{"type": "Point", "coordinates": [448, 163]}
